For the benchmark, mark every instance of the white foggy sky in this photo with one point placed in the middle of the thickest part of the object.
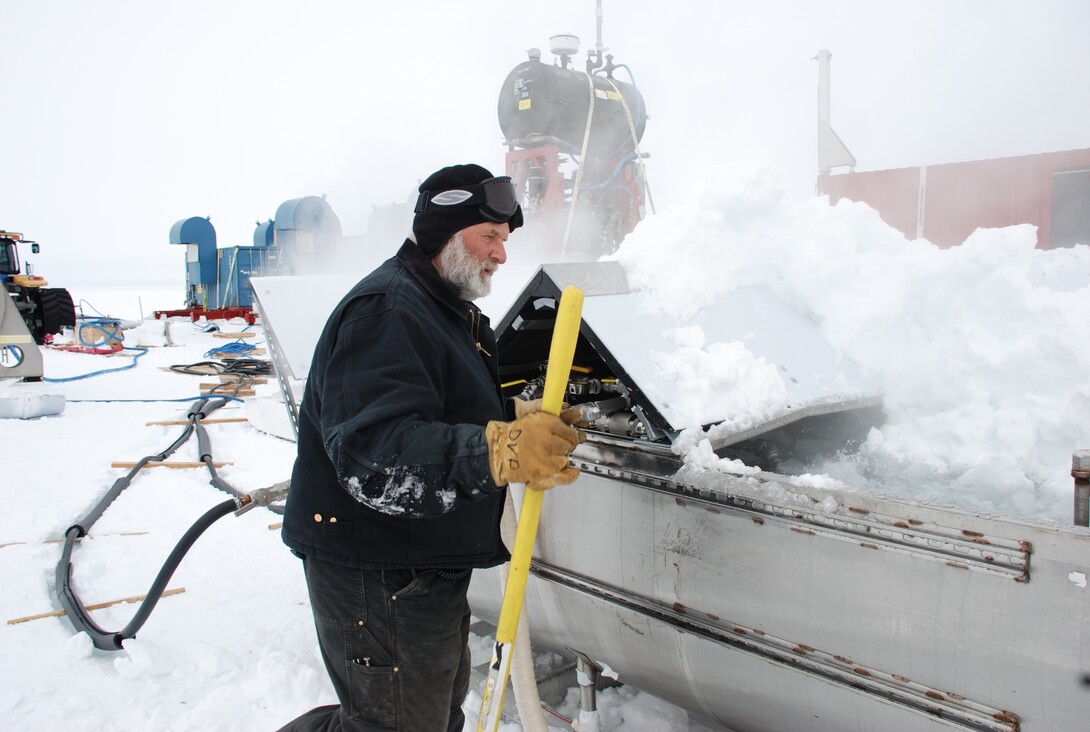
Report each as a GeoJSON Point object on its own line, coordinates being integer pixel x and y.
{"type": "Point", "coordinates": [121, 117]}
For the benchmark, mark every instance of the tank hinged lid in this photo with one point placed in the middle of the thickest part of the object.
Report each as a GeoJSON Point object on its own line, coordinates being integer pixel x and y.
{"type": "Point", "coordinates": [745, 365]}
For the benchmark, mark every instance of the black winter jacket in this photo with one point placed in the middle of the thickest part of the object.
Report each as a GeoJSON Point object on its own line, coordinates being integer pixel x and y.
{"type": "Point", "coordinates": [392, 466]}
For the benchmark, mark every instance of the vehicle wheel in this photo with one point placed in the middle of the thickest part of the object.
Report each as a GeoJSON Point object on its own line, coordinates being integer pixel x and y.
{"type": "Point", "coordinates": [55, 310]}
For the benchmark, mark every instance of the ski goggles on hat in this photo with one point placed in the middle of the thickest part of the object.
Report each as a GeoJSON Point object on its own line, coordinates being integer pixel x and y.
{"type": "Point", "coordinates": [495, 197]}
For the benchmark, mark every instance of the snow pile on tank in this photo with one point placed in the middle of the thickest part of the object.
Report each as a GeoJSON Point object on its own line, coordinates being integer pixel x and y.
{"type": "Point", "coordinates": [980, 350]}
{"type": "Point", "coordinates": [747, 363]}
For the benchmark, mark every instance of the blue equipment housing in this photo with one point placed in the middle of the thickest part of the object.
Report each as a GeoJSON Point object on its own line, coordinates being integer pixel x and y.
{"type": "Point", "coordinates": [236, 266]}
{"type": "Point", "coordinates": [307, 232]}
{"type": "Point", "coordinates": [199, 237]}
{"type": "Point", "coordinates": [302, 239]}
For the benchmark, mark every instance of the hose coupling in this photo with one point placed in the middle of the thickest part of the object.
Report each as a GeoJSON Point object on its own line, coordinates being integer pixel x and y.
{"type": "Point", "coordinates": [263, 497]}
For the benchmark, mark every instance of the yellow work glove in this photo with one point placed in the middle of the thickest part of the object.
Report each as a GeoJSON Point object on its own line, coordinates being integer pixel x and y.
{"type": "Point", "coordinates": [532, 449]}
{"type": "Point", "coordinates": [569, 414]}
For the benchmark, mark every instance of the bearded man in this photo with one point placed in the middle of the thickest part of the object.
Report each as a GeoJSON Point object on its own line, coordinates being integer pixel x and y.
{"type": "Point", "coordinates": [403, 461]}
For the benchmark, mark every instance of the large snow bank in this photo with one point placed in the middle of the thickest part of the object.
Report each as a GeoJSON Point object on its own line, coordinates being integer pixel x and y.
{"type": "Point", "coordinates": [981, 349]}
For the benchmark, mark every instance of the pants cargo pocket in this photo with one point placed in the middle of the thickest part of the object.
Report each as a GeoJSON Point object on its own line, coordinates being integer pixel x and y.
{"type": "Point", "coordinates": [372, 694]}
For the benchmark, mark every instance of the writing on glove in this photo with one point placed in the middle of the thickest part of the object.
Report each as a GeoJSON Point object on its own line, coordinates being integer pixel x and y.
{"type": "Point", "coordinates": [533, 449]}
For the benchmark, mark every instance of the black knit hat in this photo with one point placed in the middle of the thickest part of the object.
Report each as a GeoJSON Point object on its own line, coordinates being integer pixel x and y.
{"type": "Point", "coordinates": [472, 195]}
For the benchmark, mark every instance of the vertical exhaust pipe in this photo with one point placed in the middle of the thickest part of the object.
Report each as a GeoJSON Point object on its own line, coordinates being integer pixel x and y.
{"type": "Point", "coordinates": [1080, 471]}
{"type": "Point", "coordinates": [832, 152]}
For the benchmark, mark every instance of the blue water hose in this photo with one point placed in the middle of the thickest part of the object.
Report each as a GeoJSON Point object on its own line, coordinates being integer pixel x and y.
{"type": "Point", "coordinates": [142, 351]}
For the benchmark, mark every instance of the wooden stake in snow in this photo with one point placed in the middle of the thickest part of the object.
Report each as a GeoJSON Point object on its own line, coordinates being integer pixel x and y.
{"type": "Point", "coordinates": [78, 538]}
{"type": "Point", "coordinates": [96, 606]}
{"type": "Point", "coordinates": [216, 463]}
{"type": "Point", "coordinates": [225, 388]}
{"type": "Point", "coordinates": [209, 420]}
{"type": "Point", "coordinates": [98, 536]}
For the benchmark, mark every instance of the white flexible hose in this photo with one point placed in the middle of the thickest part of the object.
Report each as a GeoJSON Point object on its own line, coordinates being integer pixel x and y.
{"type": "Point", "coordinates": [635, 144]}
{"type": "Point", "coordinates": [522, 664]}
{"type": "Point", "coordinates": [579, 170]}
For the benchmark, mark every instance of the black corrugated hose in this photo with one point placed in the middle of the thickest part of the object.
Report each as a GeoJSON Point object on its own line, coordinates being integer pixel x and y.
{"type": "Point", "coordinates": [238, 503]}
{"type": "Point", "coordinates": [77, 613]}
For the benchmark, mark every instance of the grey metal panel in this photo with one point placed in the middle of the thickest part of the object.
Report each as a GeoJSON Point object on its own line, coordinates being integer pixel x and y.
{"type": "Point", "coordinates": [743, 691]}
{"type": "Point", "coordinates": [298, 307]}
{"type": "Point", "coordinates": [26, 362]}
{"type": "Point", "coordinates": [593, 278]}
{"type": "Point", "coordinates": [777, 607]}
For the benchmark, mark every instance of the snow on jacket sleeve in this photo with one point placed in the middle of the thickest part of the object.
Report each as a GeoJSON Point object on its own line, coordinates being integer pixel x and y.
{"type": "Point", "coordinates": [403, 409]}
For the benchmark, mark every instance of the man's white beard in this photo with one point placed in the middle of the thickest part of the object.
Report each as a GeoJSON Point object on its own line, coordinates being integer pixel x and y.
{"type": "Point", "coordinates": [464, 271]}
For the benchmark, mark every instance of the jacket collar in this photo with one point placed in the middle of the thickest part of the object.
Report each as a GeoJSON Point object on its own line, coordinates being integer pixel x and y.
{"type": "Point", "coordinates": [421, 267]}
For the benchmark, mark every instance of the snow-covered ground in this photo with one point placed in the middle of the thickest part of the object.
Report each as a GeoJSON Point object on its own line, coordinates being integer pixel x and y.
{"type": "Point", "coordinates": [981, 351]}
{"type": "Point", "coordinates": [244, 603]}
{"type": "Point", "coordinates": [235, 651]}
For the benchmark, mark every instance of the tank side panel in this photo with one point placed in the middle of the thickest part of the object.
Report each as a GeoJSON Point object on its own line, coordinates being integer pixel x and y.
{"type": "Point", "coordinates": [738, 568]}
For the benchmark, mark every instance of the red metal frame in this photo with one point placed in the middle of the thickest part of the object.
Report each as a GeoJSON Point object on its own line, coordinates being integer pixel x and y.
{"type": "Point", "coordinates": [540, 183]}
{"type": "Point", "coordinates": [197, 313]}
{"type": "Point", "coordinates": [546, 158]}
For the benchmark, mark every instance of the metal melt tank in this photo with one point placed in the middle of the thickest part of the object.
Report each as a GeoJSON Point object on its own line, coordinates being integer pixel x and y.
{"type": "Point", "coordinates": [768, 605]}
{"type": "Point", "coordinates": [754, 598]}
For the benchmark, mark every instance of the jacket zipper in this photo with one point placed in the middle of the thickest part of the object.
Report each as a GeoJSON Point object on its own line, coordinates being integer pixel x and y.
{"type": "Point", "coordinates": [475, 315]}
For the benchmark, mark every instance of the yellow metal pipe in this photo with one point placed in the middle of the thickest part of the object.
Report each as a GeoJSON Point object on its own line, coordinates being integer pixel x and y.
{"type": "Point", "coordinates": [561, 354]}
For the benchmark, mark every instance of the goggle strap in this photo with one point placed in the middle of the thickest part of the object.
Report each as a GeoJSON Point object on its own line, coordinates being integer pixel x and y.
{"type": "Point", "coordinates": [479, 191]}
{"type": "Point", "coordinates": [422, 201]}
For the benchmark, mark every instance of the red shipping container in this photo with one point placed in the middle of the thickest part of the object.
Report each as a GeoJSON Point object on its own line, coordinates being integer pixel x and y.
{"type": "Point", "coordinates": [946, 203]}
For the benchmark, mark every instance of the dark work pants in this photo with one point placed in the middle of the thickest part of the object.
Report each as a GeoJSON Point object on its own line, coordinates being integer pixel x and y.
{"type": "Point", "coordinates": [395, 644]}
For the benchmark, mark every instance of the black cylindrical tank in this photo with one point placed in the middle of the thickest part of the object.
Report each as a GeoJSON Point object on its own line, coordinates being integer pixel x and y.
{"type": "Point", "coordinates": [538, 99]}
